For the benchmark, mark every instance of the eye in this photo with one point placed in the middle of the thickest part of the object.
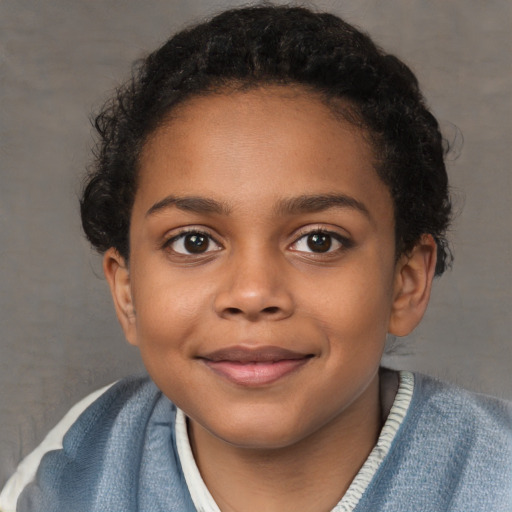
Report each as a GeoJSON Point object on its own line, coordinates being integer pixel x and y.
{"type": "Point", "coordinates": [319, 242]}
{"type": "Point", "coordinates": [193, 242]}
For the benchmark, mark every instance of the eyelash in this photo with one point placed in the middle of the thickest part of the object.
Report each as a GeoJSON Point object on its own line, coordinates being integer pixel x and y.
{"type": "Point", "coordinates": [182, 236]}
{"type": "Point", "coordinates": [344, 242]}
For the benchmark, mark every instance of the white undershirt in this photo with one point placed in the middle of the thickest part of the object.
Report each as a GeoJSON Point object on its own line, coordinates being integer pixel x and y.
{"type": "Point", "coordinates": [204, 501]}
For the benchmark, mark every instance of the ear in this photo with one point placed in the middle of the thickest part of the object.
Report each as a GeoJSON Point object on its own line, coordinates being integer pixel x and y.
{"type": "Point", "coordinates": [413, 281]}
{"type": "Point", "coordinates": [118, 277]}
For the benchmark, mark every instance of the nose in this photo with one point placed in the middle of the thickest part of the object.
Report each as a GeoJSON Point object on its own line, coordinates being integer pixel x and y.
{"type": "Point", "coordinates": [254, 288]}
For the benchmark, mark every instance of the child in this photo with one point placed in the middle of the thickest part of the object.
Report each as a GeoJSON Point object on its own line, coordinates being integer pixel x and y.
{"type": "Point", "coordinates": [271, 200]}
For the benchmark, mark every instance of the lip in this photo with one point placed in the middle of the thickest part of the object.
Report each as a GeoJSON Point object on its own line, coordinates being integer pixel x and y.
{"type": "Point", "coordinates": [255, 366]}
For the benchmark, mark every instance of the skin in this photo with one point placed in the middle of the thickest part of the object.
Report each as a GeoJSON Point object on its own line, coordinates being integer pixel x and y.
{"type": "Point", "coordinates": [251, 157]}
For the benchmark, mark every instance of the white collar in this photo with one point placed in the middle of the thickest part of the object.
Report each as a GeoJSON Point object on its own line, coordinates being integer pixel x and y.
{"type": "Point", "coordinates": [200, 494]}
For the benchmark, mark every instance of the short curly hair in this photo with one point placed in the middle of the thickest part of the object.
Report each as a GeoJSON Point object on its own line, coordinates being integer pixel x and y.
{"type": "Point", "coordinates": [254, 46]}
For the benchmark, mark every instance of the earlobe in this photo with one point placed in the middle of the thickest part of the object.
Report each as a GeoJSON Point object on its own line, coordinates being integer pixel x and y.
{"type": "Point", "coordinates": [413, 282]}
{"type": "Point", "coordinates": [118, 277]}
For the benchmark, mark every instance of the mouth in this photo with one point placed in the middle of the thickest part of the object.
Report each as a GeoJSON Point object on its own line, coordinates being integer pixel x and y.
{"type": "Point", "coordinates": [255, 367]}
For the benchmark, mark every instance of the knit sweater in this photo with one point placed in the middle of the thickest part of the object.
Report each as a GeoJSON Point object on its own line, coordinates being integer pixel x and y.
{"type": "Point", "coordinates": [451, 452]}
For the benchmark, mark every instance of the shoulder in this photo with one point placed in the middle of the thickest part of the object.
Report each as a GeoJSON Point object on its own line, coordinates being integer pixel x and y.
{"type": "Point", "coordinates": [448, 406]}
{"type": "Point", "coordinates": [452, 451]}
{"type": "Point", "coordinates": [136, 394]}
{"type": "Point", "coordinates": [107, 433]}
{"type": "Point", "coordinates": [26, 470]}
{"type": "Point", "coordinates": [124, 407]}
{"type": "Point", "coordinates": [132, 399]}
{"type": "Point", "coordinates": [465, 430]}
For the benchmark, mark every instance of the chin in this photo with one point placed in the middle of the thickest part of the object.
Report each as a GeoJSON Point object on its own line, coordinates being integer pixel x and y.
{"type": "Point", "coordinates": [265, 432]}
{"type": "Point", "coordinates": [261, 440]}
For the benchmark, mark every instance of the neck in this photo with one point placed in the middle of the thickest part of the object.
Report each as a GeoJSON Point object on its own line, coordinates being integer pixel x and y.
{"type": "Point", "coordinates": [310, 475]}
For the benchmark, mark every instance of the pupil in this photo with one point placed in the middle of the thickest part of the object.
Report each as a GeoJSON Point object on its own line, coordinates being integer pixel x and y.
{"type": "Point", "coordinates": [319, 242]}
{"type": "Point", "coordinates": [196, 243]}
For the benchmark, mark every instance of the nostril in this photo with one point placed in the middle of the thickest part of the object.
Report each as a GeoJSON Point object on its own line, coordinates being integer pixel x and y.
{"type": "Point", "coordinates": [233, 311]}
{"type": "Point", "coordinates": [272, 310]}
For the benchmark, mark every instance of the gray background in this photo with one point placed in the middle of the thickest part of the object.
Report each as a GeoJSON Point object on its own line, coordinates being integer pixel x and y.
{"type": "Point", "coordinates": [59, 59]}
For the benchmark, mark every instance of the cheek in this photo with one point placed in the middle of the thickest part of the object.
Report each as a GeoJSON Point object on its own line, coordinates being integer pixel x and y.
{"type": "Point", "coordinates": [167, 318]}
{"type": "Point", "coordinates": [167, 309]}
{"type": "Point", "coordinates": [356, 303]}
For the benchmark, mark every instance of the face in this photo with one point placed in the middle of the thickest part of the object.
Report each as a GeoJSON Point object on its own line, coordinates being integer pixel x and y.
{"type": "Point", "coordinates": [262, 278]}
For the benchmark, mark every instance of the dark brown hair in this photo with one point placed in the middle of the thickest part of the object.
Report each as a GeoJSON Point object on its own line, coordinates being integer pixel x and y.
{"type": "Point", "coordinates": [250, 47]}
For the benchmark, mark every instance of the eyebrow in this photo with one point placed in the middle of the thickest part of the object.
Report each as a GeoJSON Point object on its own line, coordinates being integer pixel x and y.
{"type": "Point", "coordinates": [190, 204]}
{"type": "Point", "coordinates": [290, 206]}
{"type": "Point", "coordinates": [319, 203]}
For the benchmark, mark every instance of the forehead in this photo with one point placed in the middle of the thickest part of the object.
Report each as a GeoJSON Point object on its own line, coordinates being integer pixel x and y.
{"type": "Point", "coordinates": [268, 143]}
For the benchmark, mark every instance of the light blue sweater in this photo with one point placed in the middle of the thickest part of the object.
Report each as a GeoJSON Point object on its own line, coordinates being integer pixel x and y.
{"type": "Point", "coordinates": [453, 452]}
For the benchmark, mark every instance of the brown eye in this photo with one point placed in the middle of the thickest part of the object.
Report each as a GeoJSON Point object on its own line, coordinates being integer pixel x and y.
{"type": "Point", "coordinates": [196, 243]}
{"type": "Point", "coordinates": [193, 243]}
{"type": "Point", "coordinates": [319, 242]}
